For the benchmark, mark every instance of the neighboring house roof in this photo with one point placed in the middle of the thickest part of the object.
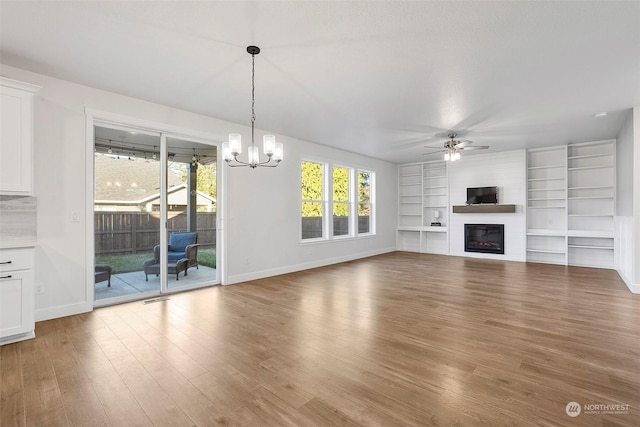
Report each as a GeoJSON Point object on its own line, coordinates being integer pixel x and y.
{"type": "Point", "coordinates": [137, 182]}
{"type": "Point", "coordinates": [129, 181]}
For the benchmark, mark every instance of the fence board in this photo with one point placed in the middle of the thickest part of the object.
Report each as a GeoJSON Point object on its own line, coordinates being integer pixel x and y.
{"type": "Point", "coordinates": [133, 232]}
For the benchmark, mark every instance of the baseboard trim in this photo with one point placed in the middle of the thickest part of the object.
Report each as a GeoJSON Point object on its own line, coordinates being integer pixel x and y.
{"type": "Point", "coordinates": [634, 288]}
{"type": "Point", "coordinates": [304, 266]}
{"type": "Point", "coordinates": [62, 311]}
{"type": "Point", "coordinates": [19, 337]}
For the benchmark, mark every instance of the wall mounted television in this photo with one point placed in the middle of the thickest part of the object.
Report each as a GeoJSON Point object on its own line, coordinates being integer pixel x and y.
{"type": "Point", "coordinates": [482, 195]}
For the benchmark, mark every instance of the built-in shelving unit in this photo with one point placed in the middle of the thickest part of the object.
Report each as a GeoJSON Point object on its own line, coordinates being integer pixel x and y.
{"type": "Point", "coordinates": [547, 205]}
{"type": "Point", "coordinates": [423, 194]}
{"type": "Point", "coordinates": [591, 203]}
{"type": "Point", "coordinates": [571, 204]}
{"type": "Point", "coordinates": [436, 202]}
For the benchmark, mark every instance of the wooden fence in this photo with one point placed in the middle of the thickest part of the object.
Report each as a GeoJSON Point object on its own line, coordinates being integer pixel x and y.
{"type": "Point", "coordinates": [139, 232]}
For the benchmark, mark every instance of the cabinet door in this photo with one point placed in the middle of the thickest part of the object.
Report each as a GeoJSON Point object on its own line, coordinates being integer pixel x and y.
{"type": "Point", "coordinates": [16, 303]}
{"type": "Point", "coordinates": [15, 141]}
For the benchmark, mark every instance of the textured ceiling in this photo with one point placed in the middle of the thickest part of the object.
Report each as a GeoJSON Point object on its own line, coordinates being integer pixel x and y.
{"type": "Point", "coordinates": [378, 78]}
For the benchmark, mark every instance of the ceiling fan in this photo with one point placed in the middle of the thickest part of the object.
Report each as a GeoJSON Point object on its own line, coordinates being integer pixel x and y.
{"type": "Point", "coordinates": [453, 147]}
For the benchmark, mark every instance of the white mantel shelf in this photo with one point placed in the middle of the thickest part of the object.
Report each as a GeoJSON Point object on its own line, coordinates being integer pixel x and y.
{"type": "Point", "coordinates": [484, 208]}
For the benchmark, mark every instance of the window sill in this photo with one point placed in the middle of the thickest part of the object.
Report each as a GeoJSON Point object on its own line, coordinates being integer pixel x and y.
{"type": "Point", "coordinates": [308, 242]}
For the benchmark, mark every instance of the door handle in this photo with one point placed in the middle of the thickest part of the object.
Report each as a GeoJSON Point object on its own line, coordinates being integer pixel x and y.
{"type": "Point", "coordinates": [5, 277]}
{"type": "Point", "coordinates": [6, 262]}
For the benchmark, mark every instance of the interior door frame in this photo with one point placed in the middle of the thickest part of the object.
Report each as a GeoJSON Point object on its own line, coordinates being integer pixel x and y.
{"type": "Point", "coordinates": [114, 120]}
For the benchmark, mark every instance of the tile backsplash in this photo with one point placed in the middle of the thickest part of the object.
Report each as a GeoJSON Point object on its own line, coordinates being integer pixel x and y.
{"type": "Point", "coordinates": [17, 221]}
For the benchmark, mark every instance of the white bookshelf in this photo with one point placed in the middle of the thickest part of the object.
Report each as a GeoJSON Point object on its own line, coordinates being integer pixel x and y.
{"type": "Point", "coordinates": [591, 203]}
{"type": "Point", "coordinates": [571, 204]}
{"type": "Point", "coordinates": [409, 207]}
{"type": "Point", "coordinates": [435, 196]}
{"type": "Point", "coordinates": [547, 205]}
{"type": "Point", "coordinates": [423, 190]}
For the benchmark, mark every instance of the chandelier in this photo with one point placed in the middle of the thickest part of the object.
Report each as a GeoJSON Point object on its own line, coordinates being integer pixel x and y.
{"type": "Point", "coordinates": [233, 148]}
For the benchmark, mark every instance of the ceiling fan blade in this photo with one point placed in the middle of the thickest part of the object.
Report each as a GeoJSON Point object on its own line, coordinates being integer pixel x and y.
{"type": "Point", "coordinates": [463, 143]}
{"type": "Point", "coordinates": [433, 152]}
{"type": "Point", "coordinates": [475, 147]}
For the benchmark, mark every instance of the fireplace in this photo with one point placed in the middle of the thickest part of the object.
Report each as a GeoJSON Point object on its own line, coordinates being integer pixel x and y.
{"type": "Point", "coordinates": [486, 238]}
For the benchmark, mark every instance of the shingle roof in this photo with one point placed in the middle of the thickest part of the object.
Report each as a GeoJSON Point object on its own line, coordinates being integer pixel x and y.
{"type": "Point", "coordinates": [128, 180]}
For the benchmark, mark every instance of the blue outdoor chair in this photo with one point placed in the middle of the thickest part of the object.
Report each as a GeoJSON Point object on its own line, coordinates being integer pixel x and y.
{"type": "Point", "coordinates": [184, 245]}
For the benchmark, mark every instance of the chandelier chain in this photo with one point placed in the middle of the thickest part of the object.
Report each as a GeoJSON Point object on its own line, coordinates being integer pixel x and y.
{"type": "Point", "coordinates": [253, 95]}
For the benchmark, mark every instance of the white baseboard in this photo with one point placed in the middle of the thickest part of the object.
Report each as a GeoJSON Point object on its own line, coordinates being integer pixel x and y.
{"type": "Point", "coordinates": [304, 266]}
{"type": "Point", "coordinates": [19, 337]}
{"type": "Point", "coordinates": [62, 311]}
{"type": "Point", "coordinates": [633, 287]}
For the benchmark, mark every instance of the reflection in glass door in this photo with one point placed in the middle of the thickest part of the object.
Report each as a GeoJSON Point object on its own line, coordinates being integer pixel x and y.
{"type": "Point", "coordinates": [191, 214]}
{"type": "Point", "coordinates": [126, 223]}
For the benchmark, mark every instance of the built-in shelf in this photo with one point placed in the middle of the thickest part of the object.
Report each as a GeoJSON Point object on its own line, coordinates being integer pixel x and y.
{"type": "Point", "coordinates": [484, 208]}
{"type": "Point", "coordinates": [592, 247]}
{"type": "Point", "coordinates": [545, 167]}
{"type": "Point", "coordinates": [547, 251]}
{"type": "Point", "coordinates": [545, 232]}
{"type": "Point", "coordinates": [581, 168]}
{"type": "Point", "coordinates": [590, 233]}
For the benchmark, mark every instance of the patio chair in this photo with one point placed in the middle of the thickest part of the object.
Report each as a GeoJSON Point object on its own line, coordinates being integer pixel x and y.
{"type": "Point", "coordinates": [182, 245]}
{"type": "Point", "coordinates": [102, 273]}
{"type": "Point", "coordinates": [152, 265]}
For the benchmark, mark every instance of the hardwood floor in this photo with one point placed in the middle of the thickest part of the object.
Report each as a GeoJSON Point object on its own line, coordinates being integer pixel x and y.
{"type": "Point", "coordinates": [398, 339]}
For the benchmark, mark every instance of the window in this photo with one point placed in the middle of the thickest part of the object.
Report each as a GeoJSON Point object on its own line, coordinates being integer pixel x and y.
{"type": "Point", "coordinates": [313, 199]}
{"type": "Point", "coordinates": [364, 205]}
{"type": "Point", "coordinates": [337, 201]}
{"type": "Point", "coordinates": [341, 201]}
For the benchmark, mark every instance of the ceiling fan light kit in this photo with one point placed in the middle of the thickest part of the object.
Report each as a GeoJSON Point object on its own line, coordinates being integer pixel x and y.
{"type": "Point", "coordinates": [453, 147]}
{"type": "Point", "coordinates": [233, 148]}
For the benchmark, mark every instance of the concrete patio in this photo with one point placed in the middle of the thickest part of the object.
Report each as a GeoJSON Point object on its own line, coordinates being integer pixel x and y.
{"type": "Point", "coordinates": [123, 284]}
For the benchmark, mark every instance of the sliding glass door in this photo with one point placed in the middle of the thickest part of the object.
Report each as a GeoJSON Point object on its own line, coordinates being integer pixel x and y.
{"type": "Point", "coordinates": [191, 213]}
{"type": "Point", "coordinates": [154, 214]}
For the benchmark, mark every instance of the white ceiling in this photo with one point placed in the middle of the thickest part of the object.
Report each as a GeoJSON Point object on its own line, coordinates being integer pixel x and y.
{"type": "Point", "coordinates": [378, 78]}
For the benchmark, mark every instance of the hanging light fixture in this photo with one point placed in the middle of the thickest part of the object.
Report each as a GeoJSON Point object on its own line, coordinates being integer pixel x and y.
{"type": "Point", "coordinates": [233, 148]}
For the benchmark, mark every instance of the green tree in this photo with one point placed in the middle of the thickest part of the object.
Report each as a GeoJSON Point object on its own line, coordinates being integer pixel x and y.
{"type": "Point", "coordinates": [206, 181]}
{"type": "Point", "coordinates": [364, 193]}
{"type": "Point", "coordinates": [340, 191]}
{"type": "Point", "coordinates": [311, 184]}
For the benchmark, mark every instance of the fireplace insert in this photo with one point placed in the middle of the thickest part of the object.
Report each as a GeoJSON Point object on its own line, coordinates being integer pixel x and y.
{"type": "Point", "coordinates": [486, 238]}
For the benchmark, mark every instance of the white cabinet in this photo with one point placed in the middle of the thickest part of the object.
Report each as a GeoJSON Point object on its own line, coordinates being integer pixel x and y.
{"type": "Point", "coordinates": [17, 309]}
{"type": "Point", "coordinates": [16, 137]}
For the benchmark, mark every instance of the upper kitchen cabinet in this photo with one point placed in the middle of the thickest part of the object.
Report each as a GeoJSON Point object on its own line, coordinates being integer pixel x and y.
{"type": "Point", "coordinates": [16, 137]}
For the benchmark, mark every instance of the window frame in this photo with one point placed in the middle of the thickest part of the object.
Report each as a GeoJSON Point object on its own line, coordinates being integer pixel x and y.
{"type": "Point", "coordinates": [349, 202]}
{"type": "Point", "coordinates": [328, 202]}
{"type": "Point", "coordinates": [371, 203]}
{"type": "Point", "coordinates": [324, 201]}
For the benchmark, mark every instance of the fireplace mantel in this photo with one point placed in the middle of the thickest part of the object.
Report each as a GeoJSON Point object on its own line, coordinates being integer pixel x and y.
{"type": "Point", "coordinates": [484, 208]}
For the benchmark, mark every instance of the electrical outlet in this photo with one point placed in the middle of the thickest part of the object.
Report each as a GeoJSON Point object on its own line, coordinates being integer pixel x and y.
{"type": "Point", "coordinates": [75, 217]}
{"type": "Point", "coordinates": [39, 289]}
{"type": "Point", "coordinates": [245, 261]}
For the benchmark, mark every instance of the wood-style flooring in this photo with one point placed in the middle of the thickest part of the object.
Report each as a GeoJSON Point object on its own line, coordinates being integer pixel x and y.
{"type": "Point", "coordinates": [401, 339]}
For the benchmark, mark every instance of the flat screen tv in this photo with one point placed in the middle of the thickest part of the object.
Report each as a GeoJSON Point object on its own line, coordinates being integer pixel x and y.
{"type": "Point", "coordinates": [482, 195]}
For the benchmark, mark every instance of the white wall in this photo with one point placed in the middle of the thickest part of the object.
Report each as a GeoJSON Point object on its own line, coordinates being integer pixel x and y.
{"type": "Point", "coordinates": [262, 206]}
{"type": "Point", "coordinates": [636, 200]}
{"type": "Point", "coordinates": [507, 171]}
{"type": "Point", "coordinates": [624, 229]}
